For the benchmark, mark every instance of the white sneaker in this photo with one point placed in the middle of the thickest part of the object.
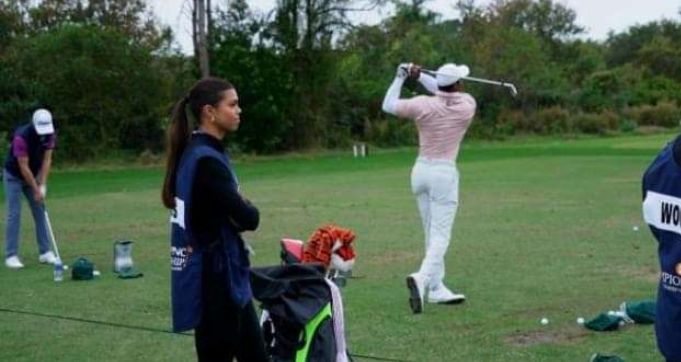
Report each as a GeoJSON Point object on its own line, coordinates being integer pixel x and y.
{"type": "Point", "coordinates": [442, 295]}
{"type": "Point", "coordinates": [416, 292]}
{"type": "Point", "coordinates": [13, 262]}
{"type": "Point", "coordinates": [47, 258]}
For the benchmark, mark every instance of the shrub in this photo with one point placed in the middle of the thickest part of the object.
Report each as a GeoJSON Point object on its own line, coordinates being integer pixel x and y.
{"type": "Point", "coordinates": [392, 132]}
{"type": "Point", "coordinates": [593, 123]}
{"type": "Point", "coordinates": [628, 125]}
{"type": "Point", "coordinates": [664, 114]}
{"type": "Point", "coordinates": [551, 120]}
{"type": "Point", "coordinates": [511, 121]}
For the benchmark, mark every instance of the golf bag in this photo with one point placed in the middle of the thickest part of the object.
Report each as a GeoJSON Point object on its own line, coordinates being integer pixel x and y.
{"type": "Point", "coordinates": [302, 313]}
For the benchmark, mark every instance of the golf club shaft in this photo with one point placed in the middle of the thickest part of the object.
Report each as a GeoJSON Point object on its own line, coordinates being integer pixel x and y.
{"type": "Point", "coordinates": [49, 229]}
{"type": "Point", "coordinates": [479, 80]}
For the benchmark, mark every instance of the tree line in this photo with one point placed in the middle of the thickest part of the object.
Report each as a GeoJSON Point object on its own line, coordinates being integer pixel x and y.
{"type": "Point", "coordinates": [308, 78]}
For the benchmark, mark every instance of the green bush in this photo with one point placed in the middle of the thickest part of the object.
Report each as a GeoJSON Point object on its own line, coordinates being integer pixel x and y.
{"type": "Point", "coordinates": [664, 114]}
{"type": "Point", "coordinates": [511, 121]}
{"type": "Point", "coordinates": [628, 125]}
{"type": "Point", "coordinates": [392, 132]}
{"type": "Point", "coordinates": [551, 120]}
{"type": "Point", "coordinates": [595, 123]}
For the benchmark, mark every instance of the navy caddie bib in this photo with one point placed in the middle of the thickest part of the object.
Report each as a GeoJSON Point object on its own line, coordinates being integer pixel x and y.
{"type": "Point", "coordinates": [662, 213]}
{"type": "Point", "coordinates": [186, 255]}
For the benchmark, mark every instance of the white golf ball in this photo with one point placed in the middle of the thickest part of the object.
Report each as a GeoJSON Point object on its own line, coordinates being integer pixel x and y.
{"type": "Point", "coordinates": [544, 321]}
{"type": "Point", "coordinates": [66, 267]}
{"type": "Point", "coordinates": [580, 320]}
{"type": "Point", "coordinates": [635, 228]}
{"type": "Point", "coordinates": [96, 273]}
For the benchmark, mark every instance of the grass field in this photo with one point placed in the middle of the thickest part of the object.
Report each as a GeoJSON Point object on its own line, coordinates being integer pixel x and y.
{"type": "Point", "coordinates": [544, 229]}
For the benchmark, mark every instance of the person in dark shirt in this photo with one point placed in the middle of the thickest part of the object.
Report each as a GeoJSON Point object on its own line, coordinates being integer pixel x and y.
{"type": "Point", "coordinates": [26, 169]}
{"type": "Point", "coordinates": [210, 267]}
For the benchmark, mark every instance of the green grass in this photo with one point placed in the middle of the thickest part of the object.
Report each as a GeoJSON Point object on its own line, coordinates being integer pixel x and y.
{"type": "Point", "coordinates": [544, 229]}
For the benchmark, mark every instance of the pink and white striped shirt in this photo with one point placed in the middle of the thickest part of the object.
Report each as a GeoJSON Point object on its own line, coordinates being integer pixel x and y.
{"type": "Point", "coordinates": [442, 121]}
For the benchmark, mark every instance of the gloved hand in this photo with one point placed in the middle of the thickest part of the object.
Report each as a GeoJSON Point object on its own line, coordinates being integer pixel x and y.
{"type": "Point", "coordinates": [403, 70]}
{"type": "Point", "coordinates": [414, 71]}
{"type": "Point", "coordinates": [43, 190]}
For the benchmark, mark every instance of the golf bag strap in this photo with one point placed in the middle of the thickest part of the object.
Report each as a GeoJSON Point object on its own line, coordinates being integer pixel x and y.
{"type": "Point", "coordinates": [338, 322]}
{"type": "Point", "coordinates": [310, 329]}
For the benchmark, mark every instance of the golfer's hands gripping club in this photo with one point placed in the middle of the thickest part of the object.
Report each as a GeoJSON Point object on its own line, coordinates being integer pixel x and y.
{"type": "Point", "coordinates": [414, 71]}
{"type": "Point", "coordinates": [403, 71]}
{"type": "Point", "coordinates": [38, 196]}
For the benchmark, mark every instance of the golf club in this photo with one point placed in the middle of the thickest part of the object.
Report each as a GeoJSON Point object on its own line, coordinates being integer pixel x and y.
{"type": "Point", "coordinates": [510, 86]}
{"type": "Point", "coordinates": [49, 229]}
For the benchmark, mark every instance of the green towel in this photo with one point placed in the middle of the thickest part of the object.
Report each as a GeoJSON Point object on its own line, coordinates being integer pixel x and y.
{"type": "Point", "coordinates": [129, 273]}
{"type": "Point", "coordinates": [642, 312]}
{"type": "Point", "coordinates": [604, 322]}
{"type": "Point", "coordinates": [597, 357]}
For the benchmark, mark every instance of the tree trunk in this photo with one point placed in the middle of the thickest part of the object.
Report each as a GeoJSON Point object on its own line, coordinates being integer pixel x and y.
{"type": "Point", "coordinates": [201, 45]}
{"type": "Point", "coordinates": [195, 29]}
{"type": "Point", "coordinates": [209, 14]}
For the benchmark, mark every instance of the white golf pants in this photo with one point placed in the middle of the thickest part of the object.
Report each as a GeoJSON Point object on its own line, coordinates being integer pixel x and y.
{"type": "Point", "coordinates": [435, 183]}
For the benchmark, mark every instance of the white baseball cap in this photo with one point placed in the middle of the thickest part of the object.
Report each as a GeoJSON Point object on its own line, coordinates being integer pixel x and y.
{"type": "Point", "coordinates": [42, 122]}
{"type": "Point", "coordinates": [450, 73]}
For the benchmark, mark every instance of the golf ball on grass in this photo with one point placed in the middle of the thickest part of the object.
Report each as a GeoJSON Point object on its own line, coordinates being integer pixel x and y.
{"type": "Point", "coordinates": [96, 273]}
{"type": "Point", "coordinates": [635, 228]}
{"type": "Point", "coordinates": [580, 320]}
{"type": "Point", "coordinates": [544, 321]}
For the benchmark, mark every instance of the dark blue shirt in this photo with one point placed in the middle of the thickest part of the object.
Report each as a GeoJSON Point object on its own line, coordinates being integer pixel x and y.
{"type": "Point", "coordinates": [27, 143]}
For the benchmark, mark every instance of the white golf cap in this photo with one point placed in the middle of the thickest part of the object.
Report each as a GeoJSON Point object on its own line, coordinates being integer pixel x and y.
{"type": "Point", "coordinates": [42, 122]}
{"type": "Point", "coordinates": [450, 73]}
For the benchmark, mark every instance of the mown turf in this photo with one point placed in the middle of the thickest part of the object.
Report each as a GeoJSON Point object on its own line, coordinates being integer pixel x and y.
{"type": "Point", "coordinates": [544, 229]}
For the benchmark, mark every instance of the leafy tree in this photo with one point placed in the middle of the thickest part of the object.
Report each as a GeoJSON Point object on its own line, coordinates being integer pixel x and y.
{"type": "Point", "coordinates": [264, 87]}
{"type": "Point", "coordinates": [129, 17]}
{"type": "Point", "coordinates": [303, 32]}
{"type": "Point", "coordinates": [551, 21]}
{"type": "Point", "coordinates": [661, 56]}
{"type": "Point", "coordinates": [104, 91]}
{"type": "Point", "coordinates": [624, 47]}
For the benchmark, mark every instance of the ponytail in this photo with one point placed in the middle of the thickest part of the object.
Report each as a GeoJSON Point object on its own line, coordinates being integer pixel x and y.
{"type": "Point", "coordinates": [207, 91]}
{"type": "Point", "coordinates": [177, 139]}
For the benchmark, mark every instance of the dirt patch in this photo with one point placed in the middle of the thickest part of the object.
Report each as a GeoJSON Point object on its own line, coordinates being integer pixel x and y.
{"type": "Point", "coordinates": [533, 338]}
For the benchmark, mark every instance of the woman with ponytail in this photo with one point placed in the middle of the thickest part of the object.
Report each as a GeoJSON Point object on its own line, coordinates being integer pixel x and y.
{"type": "Point", "coordinates": [211, 291]}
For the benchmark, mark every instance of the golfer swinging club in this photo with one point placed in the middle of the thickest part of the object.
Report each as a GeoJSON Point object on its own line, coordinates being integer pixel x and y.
{"type": "Point", "coordinates": [442, 120]}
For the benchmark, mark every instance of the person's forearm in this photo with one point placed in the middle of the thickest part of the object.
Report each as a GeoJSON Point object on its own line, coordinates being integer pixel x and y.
{"type": "Point", "coordinates": [28, 177]}
{"type": "Point", "coordinates": [392, 96]}
{"type": "Point", "coordinates": [217, 181]}
{"type": "Point", "coordinates": [44, 172]}
{"type": "Point", "coordinates": [428, 82]}
{"type": "Point", "coordinates": [241, 213]}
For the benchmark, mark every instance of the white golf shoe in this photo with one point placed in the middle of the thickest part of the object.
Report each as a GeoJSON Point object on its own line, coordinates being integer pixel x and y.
{"type": "Point", "coordinates": [13, 262]}
{"type": "Point", "coordinates": [417, 292]}
{"type": "Point", "coordinates": [442, 295]}
{"type": "Point", "coordinates": [47, 258]}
